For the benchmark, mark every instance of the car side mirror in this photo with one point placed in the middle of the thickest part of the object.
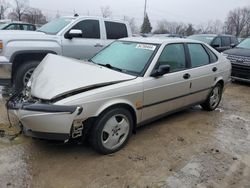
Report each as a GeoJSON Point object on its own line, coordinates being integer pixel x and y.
{"type": "Point", "coordinates": [232, 45]}
{"type": "Point", "coordinates": [162, 69]}
{"type": "Point", "coordinates": [73, 33]}
{"type": "Point", "coordinates": [215, 45]}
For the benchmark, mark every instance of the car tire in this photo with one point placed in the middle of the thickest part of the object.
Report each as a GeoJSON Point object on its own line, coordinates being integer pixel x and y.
{"type": "Point", "coordinates": [23, 74]}
{"type": "Point", "coordinates": [213, 99]}
{"type": "Point", "coordinates": [111, 130]}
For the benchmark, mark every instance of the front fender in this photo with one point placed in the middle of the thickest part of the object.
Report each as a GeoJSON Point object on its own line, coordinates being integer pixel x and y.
{"type": "Point", "coordinates": [117, 102]}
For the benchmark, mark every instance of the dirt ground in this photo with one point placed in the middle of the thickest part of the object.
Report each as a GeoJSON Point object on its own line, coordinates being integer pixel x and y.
{"type": "Point", "coordinates": [193, 148]}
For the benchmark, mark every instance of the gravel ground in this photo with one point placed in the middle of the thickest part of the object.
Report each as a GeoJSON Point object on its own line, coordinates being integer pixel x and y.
{"type": "Point", "coordinates": [193, 148]}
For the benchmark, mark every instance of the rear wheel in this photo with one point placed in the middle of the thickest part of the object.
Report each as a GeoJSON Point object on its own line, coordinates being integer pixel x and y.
{"type": "Point", "coordinates": [112, 130]}
{"type": "Point", "coordinates": [213, 99]}
{"type": "Point", "coordinates": [23, 74]}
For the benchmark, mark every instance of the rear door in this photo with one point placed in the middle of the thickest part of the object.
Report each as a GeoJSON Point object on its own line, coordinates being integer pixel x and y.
{"type": "Point", "coordinates": [169, 92]}
{"type": "Point", "coordinates": [203, 72]}
{"type": "Point", "coordinates": [225, 43]}
{"type": "Point", "coordinates": [88, 44]}
{"type": "Point", "coordinates": [115, 30]}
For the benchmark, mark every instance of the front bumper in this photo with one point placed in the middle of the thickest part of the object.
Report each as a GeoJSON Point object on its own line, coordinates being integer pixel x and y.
{"type": "Point", "coordinates": [45, 121]}
{"type": "Point", "coordinates": [241, 72]}
{"type": "Point", "coordinates": [5, 71]}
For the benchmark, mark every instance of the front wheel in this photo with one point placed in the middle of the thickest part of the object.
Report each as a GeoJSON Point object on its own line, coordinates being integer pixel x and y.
{"type": "Point", "coordinates": [23, 74]}
{"type": "Point", "coordinates": [112, 130]}
{"type": "Point", "coordinates": [213, 99]}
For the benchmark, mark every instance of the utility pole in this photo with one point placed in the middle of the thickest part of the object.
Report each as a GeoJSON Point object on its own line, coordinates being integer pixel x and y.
{"type": "Point", "coordinates": [145, 8]}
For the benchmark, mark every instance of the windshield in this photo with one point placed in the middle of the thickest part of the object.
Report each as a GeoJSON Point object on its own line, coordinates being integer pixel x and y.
{"type": "Point", "coordinates": [244, 44]}
{"type": "Point", "coordinates": [203, 38]}
{"type": "Point", "coordinates": [127, 57]}
{"type": "Point", "coordinates": [55, 26]}
{"type": "Point", "coordinates": [3, 25]}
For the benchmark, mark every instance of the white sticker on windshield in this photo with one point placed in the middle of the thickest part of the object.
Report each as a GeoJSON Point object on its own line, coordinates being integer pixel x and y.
{"type": "Point", "coordinates": [146, 46]}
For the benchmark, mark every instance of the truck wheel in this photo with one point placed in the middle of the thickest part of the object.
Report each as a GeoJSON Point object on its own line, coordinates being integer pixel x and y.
{"type": "Point", "coordinates": [111, 130]}
{"type": "Point", "coordinates": [213, 99]}
{"type": "Point", "coordinates": [23, 74]}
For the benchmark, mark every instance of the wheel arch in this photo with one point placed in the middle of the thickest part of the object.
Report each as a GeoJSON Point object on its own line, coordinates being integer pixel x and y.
{"type": "Point", "coordinates": [121, 104]}
{"type": "Point", "coordinates": [220, 81]}
{"type": "Point", "coordinates": [20, 57]}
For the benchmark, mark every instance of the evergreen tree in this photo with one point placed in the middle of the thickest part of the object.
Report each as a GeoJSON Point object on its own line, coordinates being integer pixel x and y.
{"type": "Point", "coordinates": [146, 26]}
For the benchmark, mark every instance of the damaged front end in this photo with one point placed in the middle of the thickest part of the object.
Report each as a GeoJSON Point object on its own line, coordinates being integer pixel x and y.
{"type": "Point", "coordinates": [45, 120]}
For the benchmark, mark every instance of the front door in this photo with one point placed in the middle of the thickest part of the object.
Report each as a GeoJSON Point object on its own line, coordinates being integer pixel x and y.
{"type": "Point", "coordinates": [168, 92]}
{"type": "Point", "coordinates": [86, 46]}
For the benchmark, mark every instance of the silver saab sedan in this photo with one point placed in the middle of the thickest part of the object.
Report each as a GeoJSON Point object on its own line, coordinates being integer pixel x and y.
{"type": "Point", "coordinates": [131, 82]}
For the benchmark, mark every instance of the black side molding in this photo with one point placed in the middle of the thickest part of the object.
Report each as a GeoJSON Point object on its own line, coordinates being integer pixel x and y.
{"type": "Point", "coordinates": [49, 108]}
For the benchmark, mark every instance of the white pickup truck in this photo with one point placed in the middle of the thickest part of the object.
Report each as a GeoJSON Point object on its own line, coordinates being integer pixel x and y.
{"type": "Point", "coordinates": [76, 37]}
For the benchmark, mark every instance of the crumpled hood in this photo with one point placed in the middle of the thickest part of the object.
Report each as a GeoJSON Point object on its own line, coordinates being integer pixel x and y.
{"type": "Point", "coordinates": [57, 76]}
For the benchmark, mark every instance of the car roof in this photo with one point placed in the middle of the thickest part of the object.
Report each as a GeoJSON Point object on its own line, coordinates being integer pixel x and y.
{"type": "Point", "coordinates": [155, 40]}
{"type": "Point", "coordinates": [93, 17]}
{"type": "Point", "coordinates": [213, 35]}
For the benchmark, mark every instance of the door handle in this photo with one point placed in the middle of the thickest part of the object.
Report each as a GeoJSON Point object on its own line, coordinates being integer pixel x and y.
{"type": "Point", "coordinates": [186, 76]}
{"type": "Point", "coordinates": [214, 69]}
{"type": "Point", "coordinates": [98, 45]}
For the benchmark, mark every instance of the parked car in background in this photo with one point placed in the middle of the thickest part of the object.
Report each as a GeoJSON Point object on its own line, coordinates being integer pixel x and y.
{"type": "Point", "coordinates": [77, 37]}
{"type": "Point", "coordinates": [240, 59]}
{"type": "Point", "coordinates": [131, 82]}
{"type": "Point", "coordinates": [218, 42]}
{"type": "Point", "coordinates": [9, 25]}
{"type": "Point", "coordinates": [168, 35]}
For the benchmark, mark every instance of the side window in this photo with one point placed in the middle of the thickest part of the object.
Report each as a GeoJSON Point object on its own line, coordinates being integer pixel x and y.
{"type": "Point", "coordinates": [116, 30]}
{"type": "Point", "coordinates": [234, 40]}
{"type": "Point", "coordinates": [13, 27]}
{"type": "Point", "coordinates": [225, 41]}
{"type": "Point", "coordinates": [213, 57]}
{"type": "Point", "coordinates": [174, 56]}
{"type": "Point", "coordinates": [217, 42]}
{"type": "Point", "coordinates": [25, 27]}
{"type": "Point", "coordinates": [89, 28]}
{"type": "Point", "coordinates": [198, 55]}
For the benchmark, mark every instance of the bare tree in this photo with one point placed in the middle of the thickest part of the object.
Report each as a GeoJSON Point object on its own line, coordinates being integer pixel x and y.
{"type": "Point", "coordinates": [4, 6]}
{"type": "Point", "coordinates": [34, 16]}
{"type": "Point", "coordinates": [106, 12]}
{"type": "Point", "coordinates": [132, 24]}
{"type": "Point", "coordinates": [164, 26]}
{"type": "Point", "coordinates": [19, 9]}
{"type": "Point", "coordinates": [237, 20]}
{"type": "Point", "coordinates": [213, 27]}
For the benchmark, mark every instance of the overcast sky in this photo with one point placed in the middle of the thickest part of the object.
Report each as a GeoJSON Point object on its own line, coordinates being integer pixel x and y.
{"type": "Point", "coordinates": [187, 11]}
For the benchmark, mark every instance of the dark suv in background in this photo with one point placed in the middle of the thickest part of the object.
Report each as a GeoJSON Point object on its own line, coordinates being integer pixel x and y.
{"type": "Point", "coordinates": [219, 42]}
{"type": "Point", "coordinates": [240, 59]}
{"type": "Point", "coordinates": [17, 26]}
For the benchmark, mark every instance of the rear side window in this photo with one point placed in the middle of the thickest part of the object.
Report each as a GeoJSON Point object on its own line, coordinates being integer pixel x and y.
{"type": "Point", "coordinates": [234, 40]}
{"type": "Point", "coordinates": [213, 57]}
{"type": "Point", "coordinates": [89, 28]}
{"type": "Point", "coordinates": [198, 55]}
{"type": "Point", "coordinates": [217, 42]}
{"type": "Point", "coordinates": [174, 56]}
{"type": "Point", "coordinates": [116, 30]}
{"type": "Point", "coordinates": [29, 27]}
{"type": "Point", "coordinates": [225, 41]}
